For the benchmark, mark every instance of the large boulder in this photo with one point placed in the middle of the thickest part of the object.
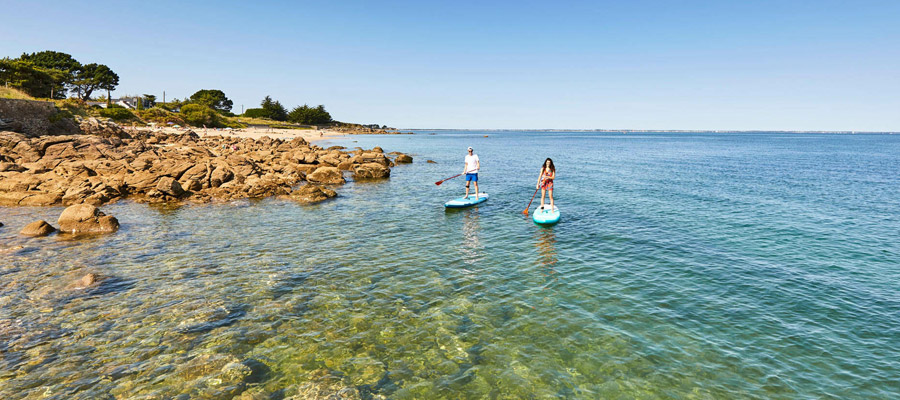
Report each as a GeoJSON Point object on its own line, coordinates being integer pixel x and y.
{"type": "Point", "coordinates": [326, 175]}
{"type": "Point", "coordinates": [141, 181]}
{"type": "Point", "coordinates": [220, 175]}
{"type": "Point", "coordinates": [266, 187]}
{"type": "Point", "coordinates": [192, 185]}
{"type": "Point", "coordinates": [93, 126]}
{"type": "Point", "coordinates": [41, 199]}
{"type": "Point", "coordinates": [197, 172]}
{"type": "Point", "coordinates": [345, 165]}
{"type": "Point", "coordinates": [85, 218]}
{"type": "Point", "coordinates": [169, 186]}
{"type": "Point", "coordinates": [310, 193]}
{"type": "Point", "coordinates": [38, 228]}
{"type": "Point", "coordinates": [328, 160]}
{"type": "Point", "coordinates": [306, 168]}
{"type": "Point", "coordinates": [370, 157]}
{"type": "Point", "coordinates": [371, 171]}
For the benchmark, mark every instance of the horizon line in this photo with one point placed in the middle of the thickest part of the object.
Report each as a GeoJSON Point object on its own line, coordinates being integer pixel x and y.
{"type": "Point", "coordinates": [650, 130]}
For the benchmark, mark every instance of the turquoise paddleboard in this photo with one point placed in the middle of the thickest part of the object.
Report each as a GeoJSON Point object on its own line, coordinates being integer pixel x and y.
{"type": "Point", "coordinates": [466, 201]}
{"type": "Point", "coordinates": [545, 216]}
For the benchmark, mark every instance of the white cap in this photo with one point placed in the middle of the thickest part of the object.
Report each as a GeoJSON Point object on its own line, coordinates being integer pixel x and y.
{"type": "Point", "coordinates": [470, 147]}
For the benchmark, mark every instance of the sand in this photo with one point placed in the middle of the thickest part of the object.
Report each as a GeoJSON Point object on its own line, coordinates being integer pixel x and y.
{"type": "Point", "coordinates": [252, 132]}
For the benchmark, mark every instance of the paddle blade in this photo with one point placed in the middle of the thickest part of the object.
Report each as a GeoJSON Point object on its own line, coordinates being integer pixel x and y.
{"type": "Point", "coordinates": [439, 183]}
{"type": "Point", "coordinates": [525, 212]}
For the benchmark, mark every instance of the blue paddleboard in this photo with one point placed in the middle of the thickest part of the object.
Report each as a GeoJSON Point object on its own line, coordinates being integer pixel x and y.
{"type": "Point", "coordinates": [466, 201]}
{"type": "Point", "coordinates": [545, 216]}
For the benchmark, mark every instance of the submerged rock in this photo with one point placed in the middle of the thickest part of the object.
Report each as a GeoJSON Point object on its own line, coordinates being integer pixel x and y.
{"type": "Point", "coordinates": [37, 228]}
{"type": "Point", "coordinates": [322, 384]}
{"type": "Point", "coordinates": [310, 193]}
{"type": "Point", "coordinates": [403, 159]}
{"type": "Point", "coordinates": [371, 171]}
{"type": "Point", "coordinates": [214, 376]}
{"type": "Point", "coordinates": [330, 175]}
{"type": "Point", "coordinates": [85, 218]}
{"type": "Point", "coordinates": [364, 370]}
{"type": "Point", "coordinates": [12, 249]}
{"type": "Point", "coordinates": [84, 282]}
{"type": "Point", "coordinates": [207, 316]}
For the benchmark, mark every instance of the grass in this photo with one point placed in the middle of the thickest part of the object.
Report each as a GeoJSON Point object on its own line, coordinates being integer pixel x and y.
{"type": "Point", "coordinates": [270, 123]}
{"type": "Point", "coordinates": [256, 121]}
{"type": "Point", "coordinates": [277, 126]}
{"type": "Point", "coordinates": [10, 93]}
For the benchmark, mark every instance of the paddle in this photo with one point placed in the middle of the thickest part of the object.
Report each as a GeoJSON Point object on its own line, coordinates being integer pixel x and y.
{"type": "Point", "coordinates": [442, 181]}
{"type": "Point", "coordinates": [529, 202]}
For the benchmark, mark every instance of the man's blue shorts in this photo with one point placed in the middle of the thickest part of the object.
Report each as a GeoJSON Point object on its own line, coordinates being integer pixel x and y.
{"type": "Point", "coordinates": [472, 177]}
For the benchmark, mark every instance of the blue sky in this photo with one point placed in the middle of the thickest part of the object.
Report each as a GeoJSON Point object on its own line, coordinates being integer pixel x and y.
{"type": "Point", "coordinates": [779, 65]}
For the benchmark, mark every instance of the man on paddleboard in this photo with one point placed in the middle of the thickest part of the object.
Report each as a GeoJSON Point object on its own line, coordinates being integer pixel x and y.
{"type": "Point", "coordinates": [471, 171]}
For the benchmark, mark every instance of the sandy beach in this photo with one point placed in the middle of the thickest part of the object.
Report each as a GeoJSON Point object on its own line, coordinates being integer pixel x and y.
{"type": "Point", "coordinates": [249, 132]}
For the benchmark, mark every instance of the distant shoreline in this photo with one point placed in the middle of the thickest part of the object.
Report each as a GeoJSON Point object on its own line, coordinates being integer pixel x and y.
{"type": "Point", "coordinates": [652, 131]}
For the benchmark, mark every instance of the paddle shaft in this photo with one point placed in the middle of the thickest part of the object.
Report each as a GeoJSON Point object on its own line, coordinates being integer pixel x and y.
{"type": "Point", "coordinates": [442, 181]}
{"type": "Point", "coordinates": [529, 202]}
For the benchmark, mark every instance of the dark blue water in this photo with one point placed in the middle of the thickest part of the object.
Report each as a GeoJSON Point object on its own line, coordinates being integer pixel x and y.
{"type": "Point", "coordinates": [685, 266]}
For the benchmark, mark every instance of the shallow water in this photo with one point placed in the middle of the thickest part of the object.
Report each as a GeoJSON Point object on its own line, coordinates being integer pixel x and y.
{"type": "Point", "coordinates": [685, 266]}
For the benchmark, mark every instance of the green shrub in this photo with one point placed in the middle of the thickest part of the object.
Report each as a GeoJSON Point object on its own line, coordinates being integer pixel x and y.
{"type": "Point", "coordinates": [307, 115]}
{"type": "Point", "coordinates": [279, 126]}
{"type": "Point", "coordinates": [114, 105]}
{"type": "Point", "coordinates": [160, 116]}
{"type": "Point", "coordinates": [197, 115]}
{"type": "Point", "coordinates": [212, 98]}
{"type": "Point", "coordinates": [73, 106]}
{"type": "Point", "coordinates": [116, 114]}
{"type": "Point", "coordinates": [235, 124]}
{"type": "Point", "coordinates": [62, 114]}
{"type": "Point", "coordinates": [256, 113]}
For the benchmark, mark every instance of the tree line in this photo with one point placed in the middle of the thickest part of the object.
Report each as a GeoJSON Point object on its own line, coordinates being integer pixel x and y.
{"type": "Point", "coordinates": [305, 115]}
{"type": "Point", "coordinates": [56, 75]}
{"type": "Point", "coordinates": [53, 74]}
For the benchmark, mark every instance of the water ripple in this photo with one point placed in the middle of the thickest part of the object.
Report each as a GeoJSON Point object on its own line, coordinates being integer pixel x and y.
{"type": "Point", "coordinates": [686, 266]}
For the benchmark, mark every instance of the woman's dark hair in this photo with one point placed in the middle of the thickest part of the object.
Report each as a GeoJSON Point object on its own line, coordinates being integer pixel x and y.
{"type": "Point", "coordinates": [544, 165]}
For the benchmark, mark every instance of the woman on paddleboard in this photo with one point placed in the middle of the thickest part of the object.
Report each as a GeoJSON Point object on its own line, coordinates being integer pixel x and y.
{"type": "Point", "coordinates": [545, 181]}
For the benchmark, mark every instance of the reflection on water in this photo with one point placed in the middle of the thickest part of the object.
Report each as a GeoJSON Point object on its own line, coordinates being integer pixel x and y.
{"type": "Point", "coordinates": [546, 250]}
{"type": "Point", "coordinates": [471, 246]}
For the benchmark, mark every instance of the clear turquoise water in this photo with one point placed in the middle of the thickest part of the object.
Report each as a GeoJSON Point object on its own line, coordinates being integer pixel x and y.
{"type": "Point", "coordinates": [685, 266]}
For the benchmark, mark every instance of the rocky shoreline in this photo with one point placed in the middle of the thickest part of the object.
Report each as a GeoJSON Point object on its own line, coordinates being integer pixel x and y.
{"type": "Point", "coordinates": [163, 168]}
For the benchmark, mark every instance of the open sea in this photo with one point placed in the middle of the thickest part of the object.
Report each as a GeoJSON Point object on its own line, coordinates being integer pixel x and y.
{"type": "Point", "coordinates": [685, 266]}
